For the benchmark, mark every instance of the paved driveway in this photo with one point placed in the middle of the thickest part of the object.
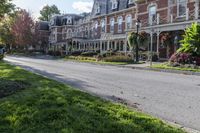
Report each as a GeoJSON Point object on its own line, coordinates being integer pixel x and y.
{"type": "Point", "coordinates": [172, 97]}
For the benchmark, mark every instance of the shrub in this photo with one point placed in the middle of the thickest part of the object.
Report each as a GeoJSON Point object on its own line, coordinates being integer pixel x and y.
{"type": "Point", "coordinates": [76, 53]}
{"type": "Point", "coordinates": [197, 60]}
{"type": "Point", "coordinates": [54, 53]}
{"type": "Point", "coordinates": [191, 41]}
{"type": "Point", "coordinates": [181, 58]}
{"type": "Point", "coordinates": [81, 58]}
{"type": "Point", "coordinates": [117, 58]}
{"type": "Point", "coordinates": [1, 56]}
{"type": "Point", "coordinates": [89, 54]}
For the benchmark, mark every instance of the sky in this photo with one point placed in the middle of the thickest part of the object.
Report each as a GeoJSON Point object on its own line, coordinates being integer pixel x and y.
{"type": "Point", "coordinates": [65, 6]}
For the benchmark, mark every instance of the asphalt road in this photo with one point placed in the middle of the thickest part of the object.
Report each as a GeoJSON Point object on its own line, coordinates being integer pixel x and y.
{"type": "Point", "coordinates": [173, 97]}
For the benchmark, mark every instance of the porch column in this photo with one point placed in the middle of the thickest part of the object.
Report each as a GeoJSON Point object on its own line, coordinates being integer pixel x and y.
{"type": "Point", "coordinates": [108, 45]}
{"type": "Point", "coordinates": [196, 9]}
{"type": "Point", "coordinates": [158, 42]}
{"type": "Point", "coordinates": [115, 45]}
{"type": "Point", "coordinates": [79, 46]}
{"type": "Point", "coordinates": [100, 46]}
{"type": "Point", "coordinates": [125, 46]}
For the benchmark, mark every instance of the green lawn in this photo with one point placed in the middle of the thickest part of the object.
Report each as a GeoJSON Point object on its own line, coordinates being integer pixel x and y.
{"type": "Point", "coordinates": [41, 105]}
{"type": "Point", "coordinates": [167, 66]}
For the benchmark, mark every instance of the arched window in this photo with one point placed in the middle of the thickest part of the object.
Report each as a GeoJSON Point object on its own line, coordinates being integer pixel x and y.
{"type": "Point", "coordinates": [103, 25]}
{"type": "Point", "coordinates": [112, 24]}
{"type": "Point", "coordinates": [128, 21]}
{"type": "Point", "coordinates": [120, 19]}
{"type": "Point", "coordinates": [69, 20]}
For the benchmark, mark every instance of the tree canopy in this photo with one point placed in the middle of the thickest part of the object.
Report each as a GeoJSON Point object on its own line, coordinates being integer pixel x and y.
{"type": "Point", "coordinates": [6, 7]}
{"type": "Point", "coordinates": [47, 12]}
{"type": "Point", "coordinates": [23, 29]}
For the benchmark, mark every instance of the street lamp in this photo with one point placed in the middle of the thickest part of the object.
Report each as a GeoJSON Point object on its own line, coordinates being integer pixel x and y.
{"type": "Point", "coordinates": [138, 23]}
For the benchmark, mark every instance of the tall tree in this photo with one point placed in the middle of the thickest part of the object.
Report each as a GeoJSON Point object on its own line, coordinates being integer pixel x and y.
{"type": "Point", "coordinates": [47, 12]}
{"type": "Point", "coordinates": [23, 29]}
{"type": "Point", "coordinates": [6, 36]}
{"type": "Point", "coordinates": [6, 7]}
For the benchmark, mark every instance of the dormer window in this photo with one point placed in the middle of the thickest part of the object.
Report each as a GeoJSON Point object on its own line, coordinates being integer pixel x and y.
{"type": "Point", "coordinates": [114, 4]}
{"type": "Point", "coordinates": [131, 2]}
{"type": "Point", "coordinates": [69, 20]}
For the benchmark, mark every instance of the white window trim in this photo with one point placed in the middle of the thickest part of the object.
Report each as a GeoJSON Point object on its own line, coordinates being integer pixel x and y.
{"type": "Point", "coordinates": [98, 10]}
{"type": "Point", "coordinates": [112, 21]}
{"type": "Point", "coordinates": [178, 11]}
{"type": "Point", "coordinates": [120, 20]}
{"type": "Point", "coordinates": [103, 21]}
{"type": "Point", "coordinates": [131, 23]}
{"type": "Point", "coordinates": [151, 5]}
{"type": "Point", "coordinates": [131, 2]}
{"type": "Point", "coordinates": [114, 4]}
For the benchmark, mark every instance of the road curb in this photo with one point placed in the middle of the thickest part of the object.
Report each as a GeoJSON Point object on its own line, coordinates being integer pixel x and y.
{"type": "Point", "coordinates": [163, 70]}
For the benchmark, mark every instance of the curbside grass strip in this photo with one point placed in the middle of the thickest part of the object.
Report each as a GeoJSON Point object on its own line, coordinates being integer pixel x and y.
{"type": "Point", "coordinates": [164, 70]}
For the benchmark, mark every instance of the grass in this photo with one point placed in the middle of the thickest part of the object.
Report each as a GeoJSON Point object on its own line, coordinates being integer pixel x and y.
{"type": "Point", "coordinates": [93, 60]}
{"type": "Point", "coordinates": [47, 106]}
{"type": "Point", "coordinates": [167, 66]}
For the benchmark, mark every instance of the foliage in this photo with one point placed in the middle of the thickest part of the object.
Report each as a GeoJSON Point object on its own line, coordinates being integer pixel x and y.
{"type": "Point", "coordinates": [81, 58]}
{"type": "Point", "coordinates": [118, 58]}
{"type": "Point", "coordinates": [6, 7]}
{"type": "Point", "coordinates": [180, 67]}
{"type": "Point", "coordinates": [49, 106]}
{"type": "Point", "coordinates": [132, 39]}
{"type": "Point", "coordinates": [23, 29]}
{"type": "Point", "coordinates": [6, 36]}
{"type": "Point", "coordinates": [47, 12]}
{"type": "Point", "coordinates": [191, 41]}
{"type": "Point", "coordinates": [184, 58]}
{"type": "Point", "coordinates": [76, 53]}
{"type": "Point", "coordinates": [54, 53]}
{"type": "Point", "coordinates": [89, 54]}
{"type": "Point", "coordinates": [1, 57]}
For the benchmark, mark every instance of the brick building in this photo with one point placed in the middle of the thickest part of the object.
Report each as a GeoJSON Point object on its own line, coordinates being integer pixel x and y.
{"type": "Point", "coordinates": [110, 21]}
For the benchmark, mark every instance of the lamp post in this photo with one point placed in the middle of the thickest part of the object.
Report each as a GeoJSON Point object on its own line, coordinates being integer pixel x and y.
{"type": "Point", "coordinates": [137, 47]}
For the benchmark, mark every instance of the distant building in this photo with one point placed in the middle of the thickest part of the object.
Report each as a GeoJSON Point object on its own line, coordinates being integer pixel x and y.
{"type": "Point", "coordinates": [42, 35]}
{"type": "Point", "coordinates": [110, 21]}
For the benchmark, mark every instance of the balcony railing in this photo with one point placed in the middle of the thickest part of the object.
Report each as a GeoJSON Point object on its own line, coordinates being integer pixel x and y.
{"type": "Point", "coordinates": [160, 20]}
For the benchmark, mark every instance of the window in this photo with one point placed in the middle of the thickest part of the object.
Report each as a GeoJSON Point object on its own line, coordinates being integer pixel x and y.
{"type": "Point", "coordinates": [98, 8]}
{"type": "Point", "coordinates": [131, 1]}
{"type": "Point", "coordinates": [103, 26]}
{"type": "Point", "coordinates": [114, 4]}
{"type": "Point", "coordinates": [152, 14]}
{"type": "Point", "coordinates": [112, 24]}
{"type": "Point", "coordinates": [96, 25]}
{"type": "Point", "coordinates": [120, 19]}
{"type": "Point", "coordinates": [129, 22]}
{"type": "Point", "coordinates": [181, 6]}
{"type": "Point", "coordinates": [69, 20]}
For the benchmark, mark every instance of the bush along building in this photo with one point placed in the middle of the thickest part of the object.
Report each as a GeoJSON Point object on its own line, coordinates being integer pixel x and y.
{"type": "Point", "coordinates": [110, 22]}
